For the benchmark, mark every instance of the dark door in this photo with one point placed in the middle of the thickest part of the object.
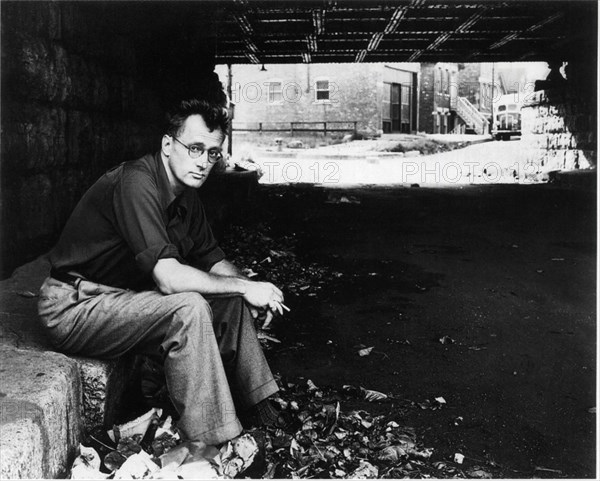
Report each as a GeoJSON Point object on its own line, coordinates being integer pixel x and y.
{"type": "Point", "coordinates": [395, 105]}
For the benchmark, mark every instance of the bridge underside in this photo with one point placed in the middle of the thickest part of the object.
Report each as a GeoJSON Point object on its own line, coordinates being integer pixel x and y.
{"type": "Point", "coordinates": [372, 31]}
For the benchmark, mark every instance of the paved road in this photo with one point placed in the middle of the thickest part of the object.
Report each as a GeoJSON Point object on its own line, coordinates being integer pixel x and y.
{"type": "Point", "coordinates": [506, 273]}
{"type": "Point", "coordinates": [484, 163]}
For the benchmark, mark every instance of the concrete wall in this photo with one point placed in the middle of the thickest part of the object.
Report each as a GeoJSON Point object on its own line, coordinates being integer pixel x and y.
{"type": "Point", "coordinates": [559, 123]}
{"type": "Point", "coordinates": [81, 91]}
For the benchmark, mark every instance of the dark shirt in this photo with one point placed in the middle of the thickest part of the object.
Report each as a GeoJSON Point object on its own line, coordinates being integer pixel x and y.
{"type": "Point", "coordinates": [127, 221]}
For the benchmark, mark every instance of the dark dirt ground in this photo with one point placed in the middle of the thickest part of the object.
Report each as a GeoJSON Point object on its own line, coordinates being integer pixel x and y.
{"type": "Point", "coordinates": [507, 272]}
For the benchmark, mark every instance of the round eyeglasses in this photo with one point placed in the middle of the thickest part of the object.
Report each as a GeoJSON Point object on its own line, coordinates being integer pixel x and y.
{"type": "Point", "coordinates": [195, 151]}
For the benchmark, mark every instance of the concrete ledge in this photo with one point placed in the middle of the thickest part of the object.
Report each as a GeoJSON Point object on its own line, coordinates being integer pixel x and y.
{"type": "Point", "coordinates": [47, 399]}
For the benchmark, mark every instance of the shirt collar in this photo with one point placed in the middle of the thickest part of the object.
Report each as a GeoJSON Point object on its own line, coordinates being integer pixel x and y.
{"type": "Point", "coordinates": [176, 205]}
{"type": "Point", "coordinates": [164, 188]}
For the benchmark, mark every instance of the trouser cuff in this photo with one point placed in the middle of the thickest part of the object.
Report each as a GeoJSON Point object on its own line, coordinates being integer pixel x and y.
{"type": "Point", "coordinates": [255, 396]}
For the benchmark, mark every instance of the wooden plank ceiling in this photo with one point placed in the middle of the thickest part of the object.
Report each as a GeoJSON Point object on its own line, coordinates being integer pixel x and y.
{"type": "Point", "coordinates": [298, 31]}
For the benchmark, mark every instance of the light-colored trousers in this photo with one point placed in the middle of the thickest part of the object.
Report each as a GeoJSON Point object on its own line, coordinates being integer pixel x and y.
{"type": "Point", "coordinates": [209, 348]}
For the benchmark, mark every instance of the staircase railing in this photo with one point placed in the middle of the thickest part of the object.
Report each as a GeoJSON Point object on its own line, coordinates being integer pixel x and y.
{"type": "Point", "coordinates": [471, 116]}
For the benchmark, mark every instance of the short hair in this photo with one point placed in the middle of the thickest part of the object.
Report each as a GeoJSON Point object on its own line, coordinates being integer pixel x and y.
{"type": "Point", "coordinates": [209, 101]}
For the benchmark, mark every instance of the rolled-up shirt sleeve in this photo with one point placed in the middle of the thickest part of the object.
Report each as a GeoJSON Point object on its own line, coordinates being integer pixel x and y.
{"type": "Point", "coordinates": [205, 252]}
{"type": "Point", "coordinates": [140, 220]}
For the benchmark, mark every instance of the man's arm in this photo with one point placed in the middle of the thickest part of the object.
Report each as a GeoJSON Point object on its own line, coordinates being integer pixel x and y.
{"type": "Point", "coordinates": [172, 277]}
{"type": "Point", "coordinates": [226, 268]}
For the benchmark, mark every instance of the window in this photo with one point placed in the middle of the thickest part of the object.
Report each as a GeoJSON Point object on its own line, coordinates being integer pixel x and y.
{"type": "Point", "coordinates": [446, 86]}
{"type": "Point", "coordinates": [275, 95]}
{"type": "Point", "coordinates": [322, 90]}
{"type": "Point", "coordinates": [437, 80]}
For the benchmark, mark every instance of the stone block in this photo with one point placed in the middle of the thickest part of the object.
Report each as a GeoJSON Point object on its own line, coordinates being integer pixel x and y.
{"type": "Point", "coordinates": [103, 385]}
{"type": "Point", "coordinates": [39, 18]}
{"type": "Point", "coordinates": [41, 415]}
{"type": "Point", "coordinates": [37, 69]}
{"type": "Point", "coordinates": [33, 137]}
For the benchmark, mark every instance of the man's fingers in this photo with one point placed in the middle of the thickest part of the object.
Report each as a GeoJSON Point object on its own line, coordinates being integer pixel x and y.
{"type": "Point", "coordinates": [253, 312]}
{"type": "Point", "coordinates": [276, 306]}
{"type": "Point", "coordinates": [268, 319]}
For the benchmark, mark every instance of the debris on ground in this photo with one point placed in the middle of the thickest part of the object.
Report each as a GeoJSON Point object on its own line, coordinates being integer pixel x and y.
{"type": "Point", "coordinates": [365, 352]}
{"type": "Point", "coordinates": [320, 440]}
{"type": "Point", "coordinates": [258, 254]}
{"type": "Point", "coordinates": [87, 465]}
{"type": "Point", "coordinates": [160, 453]}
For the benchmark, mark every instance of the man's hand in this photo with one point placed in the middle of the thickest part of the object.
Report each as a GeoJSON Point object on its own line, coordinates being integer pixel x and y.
{"type": "Point", "coordinates": [264, 316]}
{"type": "Point", "coordinates": [264, 295]}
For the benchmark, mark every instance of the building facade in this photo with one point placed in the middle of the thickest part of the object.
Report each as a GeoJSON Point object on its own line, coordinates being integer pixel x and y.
{"type": "Point", "coordinates": [438, 95]}
{"type": "Point", "coordinates": [437, 98]}
{"type": "Point", "coordinates": [374, 97]}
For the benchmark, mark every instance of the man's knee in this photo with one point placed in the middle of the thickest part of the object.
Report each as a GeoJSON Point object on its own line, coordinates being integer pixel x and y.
{"type": "Point", "coordinates": [193, 311]}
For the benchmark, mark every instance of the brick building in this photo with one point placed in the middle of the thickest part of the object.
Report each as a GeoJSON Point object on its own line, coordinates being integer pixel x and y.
{"type": "Point", "coordinates": [378, 97]}
{"type": "Point", "coordinates": [437, 97]}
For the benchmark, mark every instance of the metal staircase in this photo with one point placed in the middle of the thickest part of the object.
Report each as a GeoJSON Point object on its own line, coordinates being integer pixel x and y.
{"type": "Point", "coordinates": [471, 116]}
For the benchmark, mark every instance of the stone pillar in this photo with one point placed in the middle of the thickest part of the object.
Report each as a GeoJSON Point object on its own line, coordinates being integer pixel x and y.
{"type": "Point", "coordinates": [559, 122]}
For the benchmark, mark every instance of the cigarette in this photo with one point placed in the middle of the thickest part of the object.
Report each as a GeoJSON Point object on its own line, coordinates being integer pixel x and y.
{"type": "Point", "coordinates": [284, 306]}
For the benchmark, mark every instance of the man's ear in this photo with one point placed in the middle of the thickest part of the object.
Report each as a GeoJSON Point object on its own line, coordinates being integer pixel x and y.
{"type": "Point", "coordinates": [166, 145]}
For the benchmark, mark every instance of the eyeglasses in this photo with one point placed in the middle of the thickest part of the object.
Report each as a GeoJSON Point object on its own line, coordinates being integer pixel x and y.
{"type": "Point", "coordinates": [195, 151]}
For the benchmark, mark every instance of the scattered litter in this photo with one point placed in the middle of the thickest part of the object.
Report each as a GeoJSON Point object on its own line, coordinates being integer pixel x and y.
{"type": "Point", "coordinates": [365, 471]}
{"type": "Point", "coordinates": [311, 386]}
{"type": "Point", "coordinates": [539, 468]}
{"type": "Point", "coordinates": [441, 400]}
{"type": "Point", "coordinates": [28, 294]}
{"type": "Point", "coordinates": [262, 334]}
{"type": "Point", "coordinates": [371, 395]}
{"type": "Point", "coordinates": [478, 473]}
{"type": "Point", "coordinates": [237, 455]}
{"type": "Point", "coordinates": [592, 410]}
{"type": "Point", "coordinates": [557, 259]}
{"type": "Point", "coordinates": [344, 199]}
{"type": "Point", "coordinates": [137, 426]}
{"type": "Point", "coordinates": [87, 465]}
{"type": "Point", "coordinates": [459, 458]}
{"type": "Point", "coordinates": [366, 351]}
{"type": "Point", "coordinates": [137, 466]}
{"type": "Point", "coordinates": [458, 420]}
{"type": "Point", "coordinates": [446, 340]}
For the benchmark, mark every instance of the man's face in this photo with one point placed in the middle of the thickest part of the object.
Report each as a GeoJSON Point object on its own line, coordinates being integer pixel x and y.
{"type": "Point", "coordinates": [183, 170]}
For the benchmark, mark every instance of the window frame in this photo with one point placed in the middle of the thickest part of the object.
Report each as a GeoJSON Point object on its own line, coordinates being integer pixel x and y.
{"type": "Point", "coordinates": [317, 90]}
{"type": "Point", "coordinates": [270, 93]}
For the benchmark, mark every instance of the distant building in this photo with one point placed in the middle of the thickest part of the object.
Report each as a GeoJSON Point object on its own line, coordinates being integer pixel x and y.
{"type": "Point", "coordinates": [377, 97]}
{"type": "Point", "coordinates": [374, 97]}
{"type": "Point", "coordinates": [437, 97]}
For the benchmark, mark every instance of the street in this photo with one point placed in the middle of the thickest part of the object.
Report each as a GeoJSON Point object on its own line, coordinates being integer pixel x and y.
{"type": "Point", "coordinates": [483, 163]}
{"type": "Point", "coordinates": [483, 295]}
